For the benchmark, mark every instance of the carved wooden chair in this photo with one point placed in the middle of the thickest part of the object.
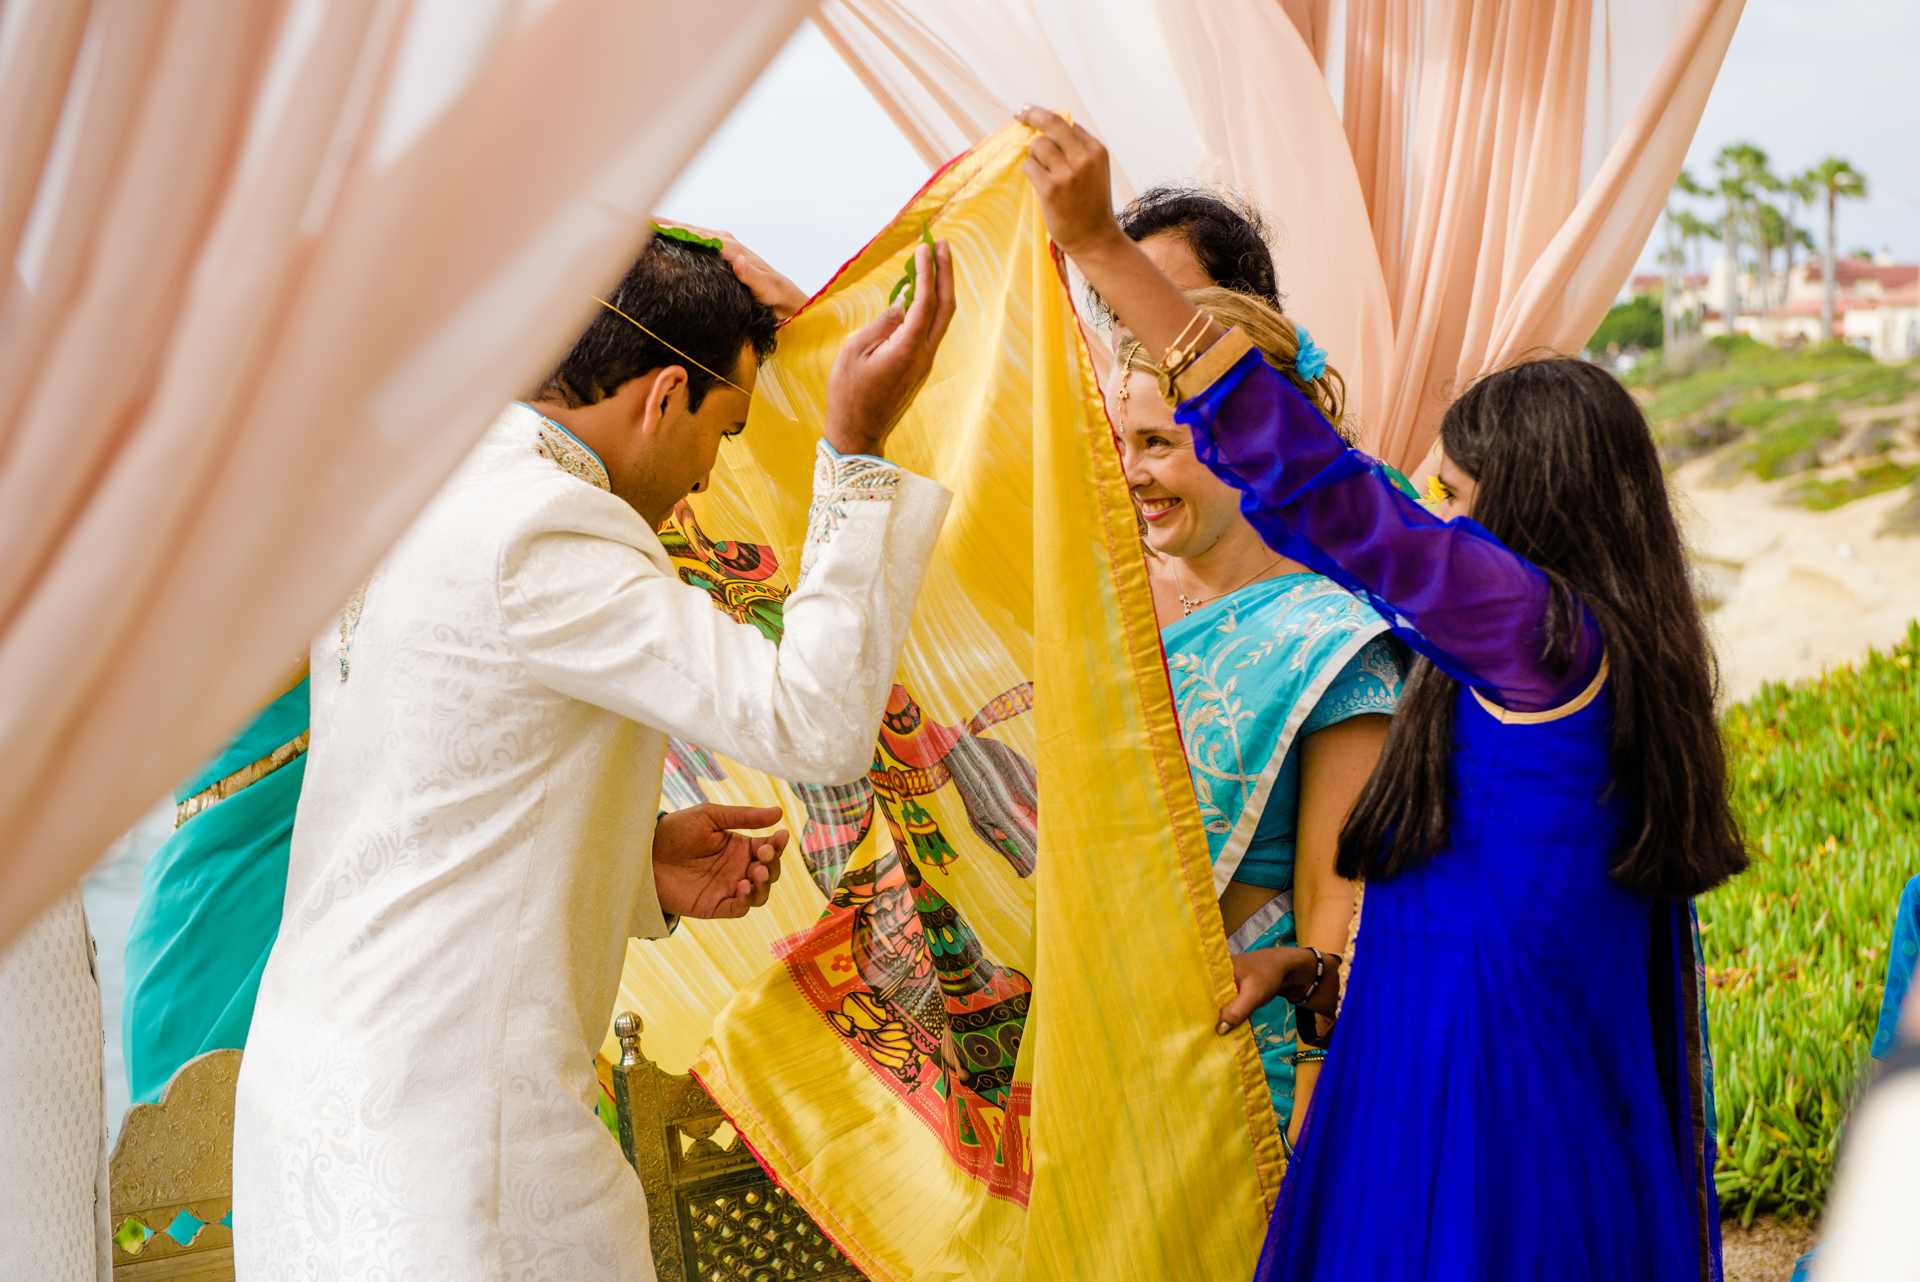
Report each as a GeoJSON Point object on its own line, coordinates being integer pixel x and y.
{"type": "Point", "coordinates": [715, 1215]}
{"type": "Point", "coordinates": [171, 1177]}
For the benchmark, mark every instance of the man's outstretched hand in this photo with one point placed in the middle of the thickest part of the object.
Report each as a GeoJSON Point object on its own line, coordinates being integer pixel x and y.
{"type": "Point", "coordinates": [702, 868]}
{"type": "Point", "coordinates": [880, 369]}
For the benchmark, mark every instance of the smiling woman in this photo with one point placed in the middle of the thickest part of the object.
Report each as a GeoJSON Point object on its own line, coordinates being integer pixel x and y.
{"type": "Point", "coordinates": [1283, 683]}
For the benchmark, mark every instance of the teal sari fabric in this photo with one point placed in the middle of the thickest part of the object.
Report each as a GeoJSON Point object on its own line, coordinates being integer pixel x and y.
{"type": "Point", "coordinates": [209, 907]}
{"type": "Point", "coordinates": [1253, 674]}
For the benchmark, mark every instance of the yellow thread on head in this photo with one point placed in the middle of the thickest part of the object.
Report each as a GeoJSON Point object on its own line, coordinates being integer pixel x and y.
{"type": "Point", "coordinates": [670, 347]}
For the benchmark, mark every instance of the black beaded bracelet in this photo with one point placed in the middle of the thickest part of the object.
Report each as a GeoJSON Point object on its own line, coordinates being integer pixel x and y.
{"type": "Point", "coordinates": [1311, 1055]}
{"type": "Point", "coordinates": [1303, 1019]}
{"type": "Point", "coordinates": [1319, 973]}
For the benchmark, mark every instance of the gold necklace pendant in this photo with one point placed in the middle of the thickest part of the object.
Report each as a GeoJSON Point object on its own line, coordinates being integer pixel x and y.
{"type": "Point", "coordinates": [1188, 606]}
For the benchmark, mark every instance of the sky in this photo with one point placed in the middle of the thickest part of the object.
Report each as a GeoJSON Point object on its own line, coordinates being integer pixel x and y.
{"type": "Point", "coordinates": [807, 166]}
{"type": "Point", "coordinates": [1805, 79]}
{"type": "Point", "coordinates": [805, 170]}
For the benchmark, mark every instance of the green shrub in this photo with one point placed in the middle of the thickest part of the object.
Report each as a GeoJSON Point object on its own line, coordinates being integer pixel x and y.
{"type": "Point", "coordinates": [1634, 324]}
{"type": "Point", "coordinates": [1793, 445]}
{"type": "Point", "coordinates": [1875, 478]}
{"type": "Point", "coordinates": [1825, 776]}
{"type": "Point", "coordinates": [1741, 345]}
{"type": "Point", "coordinates": [1754, 372]}
{"type": "Point", "coordinates": [1762, 411]}
{"type": "Point", "coordinates": [1835, 350]}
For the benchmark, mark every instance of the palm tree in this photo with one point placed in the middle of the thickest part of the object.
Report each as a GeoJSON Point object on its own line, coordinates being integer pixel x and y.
{"type": "Point", "coordinates": [1835, 178]}
{"type": "Point", "coordinates": [1669, 258]}
{"type": "Point", "coordinates": [1743, 176]}
{"type": "Point", "coordinates": [1688, 185]}
{"type": "Point", "coordinates": [1693, 230]}
{"type": "Point", "coordinates": [1771, 231]}
{"type": "Point", "coordinates": [1799, 190]}
{"type": "Point", "coordinates": [1672, 259]}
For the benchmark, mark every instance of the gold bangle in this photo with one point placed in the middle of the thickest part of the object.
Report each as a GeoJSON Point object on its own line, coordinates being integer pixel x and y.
{"type": "Point", "coordinates": [1179, 357]}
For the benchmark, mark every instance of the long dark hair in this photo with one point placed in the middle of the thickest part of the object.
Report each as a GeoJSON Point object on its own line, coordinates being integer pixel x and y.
{"type": "Point", "coordinates": [1566, 475]}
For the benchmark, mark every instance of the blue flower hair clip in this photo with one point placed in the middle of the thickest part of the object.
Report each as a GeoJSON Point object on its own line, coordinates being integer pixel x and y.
{"type": "Point", "coordinates": [1311, 360]}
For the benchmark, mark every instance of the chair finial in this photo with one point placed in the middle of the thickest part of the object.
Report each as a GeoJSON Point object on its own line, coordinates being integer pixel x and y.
{"type": "Point", "coordinates": [626, 1026]}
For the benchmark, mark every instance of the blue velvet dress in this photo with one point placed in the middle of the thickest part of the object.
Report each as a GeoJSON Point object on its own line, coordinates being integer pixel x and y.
{"type": "Point", "coordinates": [1517, 1086]}
{"type": "Point", "coordinates": [1493, 1106]}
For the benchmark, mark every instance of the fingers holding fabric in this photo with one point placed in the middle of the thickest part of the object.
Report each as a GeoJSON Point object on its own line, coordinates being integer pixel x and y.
{"type": "Point", "coordinates": [1070, 173]}
{"type": "Point", "coordinates": [1258, 976]}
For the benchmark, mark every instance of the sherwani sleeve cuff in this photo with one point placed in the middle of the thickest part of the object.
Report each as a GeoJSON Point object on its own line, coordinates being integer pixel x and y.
{"type": "Point", "coordinates": [839, 481]}
{"type": "Point", "coordinates": [870, 509]}
{"type": "Point", "coordinates": [649, 920]}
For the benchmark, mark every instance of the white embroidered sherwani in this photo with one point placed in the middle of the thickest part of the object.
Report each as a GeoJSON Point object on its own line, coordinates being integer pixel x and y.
{"type": "Point", "coordinates": [472, 852]}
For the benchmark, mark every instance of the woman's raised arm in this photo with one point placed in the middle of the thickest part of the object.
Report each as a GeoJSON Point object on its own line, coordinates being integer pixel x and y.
{"type": "Point", "coordinates": [1450, 589]}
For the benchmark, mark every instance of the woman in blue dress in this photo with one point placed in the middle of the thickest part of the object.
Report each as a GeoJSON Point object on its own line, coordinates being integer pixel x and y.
{"type": "Point", "coordinates": [1515, 1085]}
{"type": "Point", "coordinates": [1283, 682]}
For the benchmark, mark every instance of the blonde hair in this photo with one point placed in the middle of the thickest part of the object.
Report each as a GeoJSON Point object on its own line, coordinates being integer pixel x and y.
{"type": "Point", "coordinates": [1278, 341]}
{"type": "Point", "coordinates": [1270, 332]}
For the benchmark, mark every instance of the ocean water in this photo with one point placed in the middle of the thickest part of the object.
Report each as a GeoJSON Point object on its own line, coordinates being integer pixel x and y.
{"type": "Point", "coordinates": [110, 892]}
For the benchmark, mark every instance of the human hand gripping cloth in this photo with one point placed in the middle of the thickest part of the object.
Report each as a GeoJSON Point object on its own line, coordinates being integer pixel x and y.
{"type": "Point", "coordinates": [955, 1061]}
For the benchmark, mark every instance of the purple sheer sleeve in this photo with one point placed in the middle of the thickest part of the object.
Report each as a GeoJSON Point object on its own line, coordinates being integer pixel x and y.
{"type": "Point", "coordinates": [1448, 588]}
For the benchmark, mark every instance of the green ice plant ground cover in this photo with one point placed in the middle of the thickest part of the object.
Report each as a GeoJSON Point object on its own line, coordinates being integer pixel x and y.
{"type": "Point", "coordinates": [1825, 777]}
{"type": "Point", "coordinates": [1771, 412]}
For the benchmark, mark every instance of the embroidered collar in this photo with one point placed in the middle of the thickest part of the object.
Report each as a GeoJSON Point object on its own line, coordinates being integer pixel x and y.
{"type": "Point", "coordinates": [567, 452]}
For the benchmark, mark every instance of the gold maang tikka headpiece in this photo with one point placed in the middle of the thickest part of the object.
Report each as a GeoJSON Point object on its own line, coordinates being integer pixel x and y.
{"type": "Point", "coordinates": [1127, 359]}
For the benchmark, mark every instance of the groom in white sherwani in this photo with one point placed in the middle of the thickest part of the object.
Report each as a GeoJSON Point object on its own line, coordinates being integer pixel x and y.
{"type": "Point", "coordinates": [476, 839]}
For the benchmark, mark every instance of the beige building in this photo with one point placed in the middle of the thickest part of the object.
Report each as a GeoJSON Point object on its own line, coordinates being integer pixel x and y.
{"type": "Point", "coordinates": [1876, 304]}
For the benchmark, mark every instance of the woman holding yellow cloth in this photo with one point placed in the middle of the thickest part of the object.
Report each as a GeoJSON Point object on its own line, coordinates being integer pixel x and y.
{"type": "Point", "coordinates": [1283, 681]}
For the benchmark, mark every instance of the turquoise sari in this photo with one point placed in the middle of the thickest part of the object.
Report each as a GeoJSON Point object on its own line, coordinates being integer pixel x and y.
{"type": "Point", "coordinates": [210, 900]}
{"type": "Point", "coordinates": [1253, 674]}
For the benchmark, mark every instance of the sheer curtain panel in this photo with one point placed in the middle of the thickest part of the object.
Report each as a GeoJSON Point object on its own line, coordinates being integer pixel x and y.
{"type": "Point", "coordinates": [274, 267]}
{"type": "Point", "coordinates": [1456, 183]}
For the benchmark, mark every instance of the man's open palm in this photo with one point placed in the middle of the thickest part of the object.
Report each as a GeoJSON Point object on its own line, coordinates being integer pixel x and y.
{"type": "Point", "coordinates": [703, 868]}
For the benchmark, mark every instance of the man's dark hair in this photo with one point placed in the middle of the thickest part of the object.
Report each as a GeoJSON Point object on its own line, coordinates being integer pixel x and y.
{"type": "Point", "coordinates": [1225, 233]}
{"type": "Point", "coordinates": [688, 296]}
{"type": "Point", "coordinates": [1567, 475]}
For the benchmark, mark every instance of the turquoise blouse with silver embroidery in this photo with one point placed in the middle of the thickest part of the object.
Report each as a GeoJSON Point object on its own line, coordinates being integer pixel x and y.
{"type": "Point", "coordinates": [1370, 682]}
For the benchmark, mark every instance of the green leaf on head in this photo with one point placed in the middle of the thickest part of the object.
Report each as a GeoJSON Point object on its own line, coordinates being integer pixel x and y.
{"type": "Point", "coordinates": [687, 237]}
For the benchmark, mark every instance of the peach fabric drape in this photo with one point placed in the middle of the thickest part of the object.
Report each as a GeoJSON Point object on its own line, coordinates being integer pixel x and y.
{"type": "Point", "coordinates": [1480, 192]}
{"type": "Point", "coordinates": [1224, 90]}
{"type": "Point", "coordinates": [274, 267]}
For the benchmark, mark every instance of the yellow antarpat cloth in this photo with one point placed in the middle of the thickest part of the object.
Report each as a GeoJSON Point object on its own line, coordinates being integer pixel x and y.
{"type": "Point", "coordinates": [973, 1034]}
